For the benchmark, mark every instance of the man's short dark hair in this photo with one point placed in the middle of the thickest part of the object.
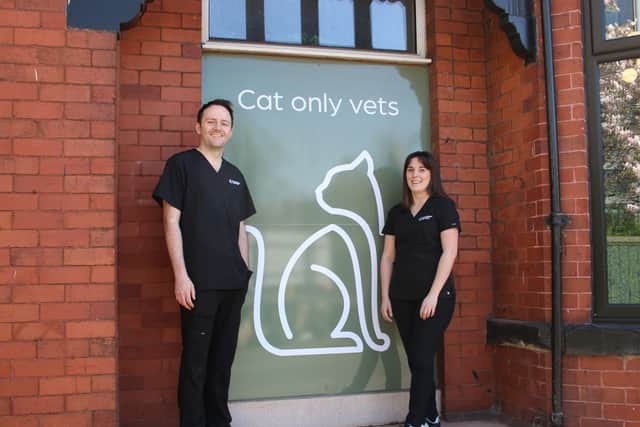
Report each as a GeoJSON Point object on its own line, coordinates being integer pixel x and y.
{"type": "Point", "coordinates": [221, 102]}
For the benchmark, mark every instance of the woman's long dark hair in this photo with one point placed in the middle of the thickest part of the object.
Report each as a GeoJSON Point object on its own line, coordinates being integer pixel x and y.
{"type": "Point", "coordinates": [435, 188]}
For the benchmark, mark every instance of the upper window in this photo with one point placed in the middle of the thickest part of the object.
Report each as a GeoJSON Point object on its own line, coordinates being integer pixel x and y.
{"type": "Point", "coordinates": [613, 66]}
{"type": "Point", "coordinates": [615, 24]}
{"type": "Point", "coordinates": [339, 27]}
{"type": "Point", "coordinates": [620, 18]}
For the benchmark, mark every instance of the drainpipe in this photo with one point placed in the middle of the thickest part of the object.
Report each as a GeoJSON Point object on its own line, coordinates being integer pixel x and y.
{"type": "Point", "coordinates": [557, 220]}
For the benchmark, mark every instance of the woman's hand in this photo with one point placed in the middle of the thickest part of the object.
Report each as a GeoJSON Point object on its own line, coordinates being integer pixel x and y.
{"type": "Point", "coordinates": [386, 311]}
{"type": "Point", "coordinates": [428, 307]}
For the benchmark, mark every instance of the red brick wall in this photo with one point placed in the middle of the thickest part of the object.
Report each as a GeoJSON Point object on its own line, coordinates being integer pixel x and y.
{"type": "Point", "coordinates": [602, 391]}
{"type": "Point", "coordinates": [57, 219]}
{"type": "Point", "coordinates": [519, 163]}
{"type": "Point", "coordinates": [574, 164]}
{"type": "Point", "coordinates": [597, 391]}
{"type": "Point", "coordinates": [519, 202]}
{"type": "Point", "coordinates": [523, 378]}
{"type": "Point", "coordinates": [520, 192]}
{"type": "Point", "coordinates": [459, 134]}
{"type": "Point", "coordinates": [160, 93]}
{"type": "Point", "coordinates": [520, 180]}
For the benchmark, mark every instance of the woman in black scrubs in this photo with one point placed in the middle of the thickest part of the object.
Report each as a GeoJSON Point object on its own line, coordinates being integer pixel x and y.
{"type": "Point", "coordinates": [420, 247]}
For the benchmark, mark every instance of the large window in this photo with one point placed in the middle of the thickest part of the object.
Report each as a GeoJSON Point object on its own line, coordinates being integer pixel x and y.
{"type": "Point", "coordinates": [613, 69]}
{"type": "Point", "coordinates": [372, 28]}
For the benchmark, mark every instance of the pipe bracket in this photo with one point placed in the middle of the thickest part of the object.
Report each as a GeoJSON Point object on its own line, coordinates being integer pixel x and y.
{"type": "Point", "coordinates": [557, 418]}
{"type": "Point", "coordinates": [558, 218]}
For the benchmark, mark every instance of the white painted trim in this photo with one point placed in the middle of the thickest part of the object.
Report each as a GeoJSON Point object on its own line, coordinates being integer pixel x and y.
{"type": "Point", "coordinates": [421, 29]}
{"type": "Point", "coordinates": [313, 52]}
{"type": "Point", "coordinates": [205, 21]}
{"type": "Point", "coordinates": [335, 411]}
{"type": "Point", "coordinates": [323, 52]}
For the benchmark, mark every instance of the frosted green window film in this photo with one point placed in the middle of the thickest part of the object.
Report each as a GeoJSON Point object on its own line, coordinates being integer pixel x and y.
{"type": "Point", "coordinates": [321, 145]}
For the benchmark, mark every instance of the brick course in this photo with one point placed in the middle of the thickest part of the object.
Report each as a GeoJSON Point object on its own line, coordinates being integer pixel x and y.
{"type": "Point", "coordinates": [53, 99]}
{"type": "Point", "coordinates": [459, 139]}
{"type": "Point", "coordinates": [155, 112]}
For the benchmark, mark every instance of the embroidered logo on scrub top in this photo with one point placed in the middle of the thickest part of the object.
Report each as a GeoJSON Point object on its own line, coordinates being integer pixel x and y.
{"type": "Point", "coordinates": [425, 218]}
{"type": "Point", "coordinates": [234, 182]}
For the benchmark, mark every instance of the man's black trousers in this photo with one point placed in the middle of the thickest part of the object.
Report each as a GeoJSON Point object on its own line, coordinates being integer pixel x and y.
{"type": "Point", "coordinates": [421, 340]}
{"type": "Point", "coordinates": [209, 338]}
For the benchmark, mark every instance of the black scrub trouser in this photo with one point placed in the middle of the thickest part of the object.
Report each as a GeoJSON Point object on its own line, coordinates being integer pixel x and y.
{"type": "Point", "coordinates": [421, 339]}
{"type": "Point", "coordinates": [209, 338]}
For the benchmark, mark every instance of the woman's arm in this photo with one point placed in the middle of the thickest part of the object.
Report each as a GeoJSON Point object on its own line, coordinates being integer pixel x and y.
{"type": "Point", "coordinates": [449, 239]}
{"type": "Point", "coordinates": [386, 268]}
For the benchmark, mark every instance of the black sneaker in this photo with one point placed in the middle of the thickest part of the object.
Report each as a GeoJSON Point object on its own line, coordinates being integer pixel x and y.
{"type": "Point", "coordinates": [429, 423]}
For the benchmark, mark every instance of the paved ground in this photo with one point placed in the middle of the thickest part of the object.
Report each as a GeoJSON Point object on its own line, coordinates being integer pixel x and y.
{"type": "Point", "coordinates": [463, 424]}
{"type": "Point", "coordinates": [474, 424]}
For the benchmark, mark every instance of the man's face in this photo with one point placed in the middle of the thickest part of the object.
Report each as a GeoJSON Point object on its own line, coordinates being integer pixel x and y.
{"type": "Point", "coordinates": [214, 127]}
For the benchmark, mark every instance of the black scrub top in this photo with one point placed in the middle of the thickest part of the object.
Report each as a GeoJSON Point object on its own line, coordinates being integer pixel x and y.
{"type": "Point", "coordinates": [418, 247]}
{"type": "Point", "coordinates": [212, 204]}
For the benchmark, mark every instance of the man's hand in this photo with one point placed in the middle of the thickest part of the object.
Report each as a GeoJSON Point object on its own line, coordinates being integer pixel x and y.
{"type": "Point", "coordinates": [185, 292]}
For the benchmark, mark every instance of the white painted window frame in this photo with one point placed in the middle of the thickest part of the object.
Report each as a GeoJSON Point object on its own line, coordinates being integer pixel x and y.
{"type": "Point", "coordinates": [323, 52]}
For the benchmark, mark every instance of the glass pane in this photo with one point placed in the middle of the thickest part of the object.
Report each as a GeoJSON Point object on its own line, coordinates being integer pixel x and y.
{"type": "Point", "coordinates": [620, 18]}
{"type": "Point", "coordinates": [336, 23]}
{"type": "Point", "coordinates": [282, 27]}
{"type": "Point", "coordinates": [388, 25]}
{"type": "Point", "coordinates": [227, 19]}
{"type": "Point", "coordinates": [365, 25]}
{"type": "Point", "coordinates": [620, 118]}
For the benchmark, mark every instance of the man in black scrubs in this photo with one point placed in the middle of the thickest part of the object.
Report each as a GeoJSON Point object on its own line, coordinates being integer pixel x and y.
{"type": "Point", "coordinates": [205, 202]}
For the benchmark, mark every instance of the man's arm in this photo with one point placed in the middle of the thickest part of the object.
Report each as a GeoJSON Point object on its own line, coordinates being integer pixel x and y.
{"type": "Point", "coordinates": [243, 243]}
{"type": "Point", "coordinates": [184, 290]}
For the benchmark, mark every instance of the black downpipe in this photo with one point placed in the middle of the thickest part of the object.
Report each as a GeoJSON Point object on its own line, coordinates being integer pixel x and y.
{"type": "Point", "coordinates": [557, 220]}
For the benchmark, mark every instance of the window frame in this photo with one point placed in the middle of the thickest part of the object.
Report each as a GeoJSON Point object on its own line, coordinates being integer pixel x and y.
{"type": "Point", "coordinates": [600, 44]}
{"type": "Point", "coordinates": [599, 50]}
{"type": "Point", "coordinates": [420, 57]}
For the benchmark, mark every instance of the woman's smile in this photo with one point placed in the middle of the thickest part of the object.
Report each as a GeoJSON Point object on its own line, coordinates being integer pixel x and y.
{"type": "Point", "coordinates": [418, 176]}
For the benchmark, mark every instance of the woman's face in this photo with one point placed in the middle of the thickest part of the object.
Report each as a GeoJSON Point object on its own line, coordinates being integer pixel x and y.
{"type": "Point", "coordinates": [418, 176]}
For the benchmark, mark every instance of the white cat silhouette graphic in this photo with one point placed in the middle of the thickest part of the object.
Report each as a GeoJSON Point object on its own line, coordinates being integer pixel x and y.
{"type": "Point", "coordinates": [338, 331]}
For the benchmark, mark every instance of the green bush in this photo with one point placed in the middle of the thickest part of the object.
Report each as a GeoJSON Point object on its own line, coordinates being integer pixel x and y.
{"type": "Point", "coordinates": [622, 222]}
